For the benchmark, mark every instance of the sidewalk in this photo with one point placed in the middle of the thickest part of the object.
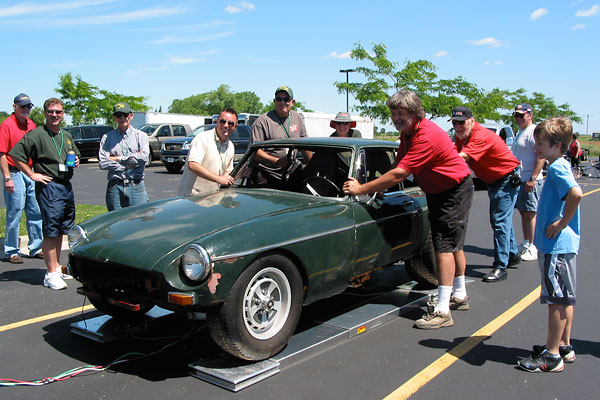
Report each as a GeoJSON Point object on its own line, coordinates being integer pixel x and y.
{"type": "Point", "coordinates": [23, 246]}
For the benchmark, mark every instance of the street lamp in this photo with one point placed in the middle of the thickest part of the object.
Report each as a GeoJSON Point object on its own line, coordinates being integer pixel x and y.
{"type": "Point", "coordinates": [346, 71]}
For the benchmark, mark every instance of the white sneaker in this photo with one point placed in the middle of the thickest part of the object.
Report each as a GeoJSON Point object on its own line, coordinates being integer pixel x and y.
{"type": "Point", "coordinates": [54, 281]}
{"type": "Point", "coordinates": [530, 254]}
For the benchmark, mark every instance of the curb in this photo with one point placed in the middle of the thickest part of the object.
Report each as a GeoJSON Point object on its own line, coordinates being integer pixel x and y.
{"type": "Point", "coordinates": [23, 245]}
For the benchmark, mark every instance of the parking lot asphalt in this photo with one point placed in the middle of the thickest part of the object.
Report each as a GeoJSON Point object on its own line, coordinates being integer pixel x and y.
{"type": "Point", "coordinates": [476, 358]}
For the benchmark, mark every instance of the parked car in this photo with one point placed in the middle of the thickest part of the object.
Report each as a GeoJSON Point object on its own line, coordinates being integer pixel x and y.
{"type": "Point", "coordinates": [158, 133]}
{"type": "Point", "coordinates": [87, 139]}
{"type": "Point", "coordinates": [250, 256]}
{"type": "Point", "coordinates": [174, 152]}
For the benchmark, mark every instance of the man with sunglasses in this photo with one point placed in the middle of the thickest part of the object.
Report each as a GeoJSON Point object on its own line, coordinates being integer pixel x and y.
{"type": "Point", "coordinates": [490, 159]}
{"type": "Point", "coordinates": [210, 158]}
{"type": "Point", "coordinates": [280, 123]}
{"type": "Point", "coordinates": [124, 153]}
{"type": "Point", "coordinates": [533, 179]}
{"type": "Point", "coordinates": [19, 190]}
{"type": "Point", "coordinates": [47, 146]}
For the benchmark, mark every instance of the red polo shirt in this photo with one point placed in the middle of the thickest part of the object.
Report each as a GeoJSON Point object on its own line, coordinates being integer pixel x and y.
{"type": "Point", "coordinates": [431, 157]}
{"type": "Point", "coordinates": [490, 157]}
{"type": "Point", "coordinates": [11, 131]}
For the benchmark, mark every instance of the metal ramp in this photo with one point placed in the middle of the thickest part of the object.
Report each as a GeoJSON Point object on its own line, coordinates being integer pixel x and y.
{"type": "Point", "coordinates": [235, 375]}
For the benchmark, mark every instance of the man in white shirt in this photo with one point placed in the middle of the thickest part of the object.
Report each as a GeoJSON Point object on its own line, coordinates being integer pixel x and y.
{"type": "Point", "coordinates": [531, 175]}
{"type": "Point", "coordinates": [210, 159]}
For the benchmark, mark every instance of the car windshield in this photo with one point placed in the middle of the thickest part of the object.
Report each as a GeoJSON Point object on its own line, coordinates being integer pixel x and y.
{"type": "Point", "coordinates": [199, 129]}
{"type": "Point", "coordinates": [319, 171]}
{"type": "Point", "coordinates": [148, 128]}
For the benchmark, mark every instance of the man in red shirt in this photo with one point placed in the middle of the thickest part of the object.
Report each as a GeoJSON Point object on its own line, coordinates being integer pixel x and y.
{"type": "Point", "coordinates": [428, 154]}
{"type": "Point", "coordinates": [493, 162]}
{"type": "Point", "coordinates": [19, 190]}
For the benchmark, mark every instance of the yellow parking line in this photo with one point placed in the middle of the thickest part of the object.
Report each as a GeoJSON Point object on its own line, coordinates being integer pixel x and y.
{"type": "Point", "coordinates": [46, 317]}
{"type": "Point", "coordinates": [439, 365]}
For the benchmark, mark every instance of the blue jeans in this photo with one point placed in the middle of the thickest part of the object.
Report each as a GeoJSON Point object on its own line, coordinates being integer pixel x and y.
{"type": "Point", "coordinates": [22, 199]}
{"type": "Point", "coordinates": [119, 195]}
{"type": "Point", "coordinates": [502, 204]}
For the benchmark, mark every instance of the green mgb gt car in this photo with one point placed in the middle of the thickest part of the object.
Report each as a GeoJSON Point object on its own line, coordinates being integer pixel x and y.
{"type": "Point", "coordinates": [250, 256]}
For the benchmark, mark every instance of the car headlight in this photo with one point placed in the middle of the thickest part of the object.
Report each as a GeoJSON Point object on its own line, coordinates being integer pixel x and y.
{"type": "Point", "coordinates": [186, 146]}
{"type": "Point", "coordinates": [76, 236]}
{"type": "Point", "coordinates": [195, 262]}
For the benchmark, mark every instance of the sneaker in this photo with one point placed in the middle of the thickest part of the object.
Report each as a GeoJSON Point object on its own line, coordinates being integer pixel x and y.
{"type": "Point", "coordinates": [566, 352]}
{"type": "Point", "coordinates": [455, 304]}
{"type": "Point", "coordinates": [54, 281]}
{"type": "Point", "coordinates": [521, 248]}
{"type": "Point", "coordinates": [530, 254]}
{"type": "Point", "coordinates": [543, 362]}
{"type": "Point", "coordinates": [434, 321]}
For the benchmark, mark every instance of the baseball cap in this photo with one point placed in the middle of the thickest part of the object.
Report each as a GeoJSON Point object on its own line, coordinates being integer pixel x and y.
{"type": "Point", "coordinates": [523, 108]}
{"type": "Point", "coordinates": [22, 100]}
{"type": "Point", "coordinates": [121, 107]}
{"type": "Point", "coordinates": [285, 89]}
{"type": "Point", "coordinates": [461, 113]}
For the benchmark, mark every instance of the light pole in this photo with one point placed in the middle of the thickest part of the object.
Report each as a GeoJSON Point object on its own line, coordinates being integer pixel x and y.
{"type": "Point", "coordinates": [346, 71]}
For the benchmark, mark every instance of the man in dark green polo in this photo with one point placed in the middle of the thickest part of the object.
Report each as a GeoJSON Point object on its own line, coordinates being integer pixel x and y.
{"type": "Point", "coordinates": [48, 146]}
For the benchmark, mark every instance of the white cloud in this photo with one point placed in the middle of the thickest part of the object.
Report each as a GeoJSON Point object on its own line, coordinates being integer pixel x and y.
{"type": "Point", "coordinates": [485, 64]}
{"type": "Point", "coordinates": [334, 54]}
{"type": "Point", "coordinates": [117, 18]}
{"type": "Point", "coordinates": [441, 53]}
{"type": "Point", "coordinates": [488, 41]}
{"type": "Point", "coordinates": [178, 39]}
{"type": "Point", "coordinates": [31, 8]}
{"type": "Point", "coordinates": [539, 13]}
{"type": "Point", "coordinates": [181, 60]}
{"type": "Point", "coordinates": [239, 7]}
{"type": "Point", "coordinates": [588, 13]}
{"type": "Point", "coordinates": [577, 27]}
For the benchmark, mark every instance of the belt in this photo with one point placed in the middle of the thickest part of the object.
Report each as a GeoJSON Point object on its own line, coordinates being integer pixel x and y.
{"type": "Point", "coordinates": [126, 182]}
{"type": "Point", "coordinates": [505, 177]}
{"type": "Point", "coordinates": [13, 169]}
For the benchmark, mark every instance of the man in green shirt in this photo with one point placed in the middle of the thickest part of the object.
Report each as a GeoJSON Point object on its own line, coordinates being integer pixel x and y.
{"type": "Point", "coordinates": [47, 146]}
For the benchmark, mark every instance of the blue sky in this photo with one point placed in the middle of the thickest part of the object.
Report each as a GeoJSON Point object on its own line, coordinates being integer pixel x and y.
{"type": "Point", "coordinates": [169, 50]}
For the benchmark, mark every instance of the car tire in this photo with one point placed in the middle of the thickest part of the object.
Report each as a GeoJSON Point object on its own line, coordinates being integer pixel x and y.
{"type": "Point", "coordinates": [422, 267]}
{"type": "Point", "coordinates": [101, 304]}
{"type": "Point", "coordinates": [262, 310]}
{"type": "Point", "coordinates": [173, 168]}
{"type": "Point", "coordinates": [150, 159]}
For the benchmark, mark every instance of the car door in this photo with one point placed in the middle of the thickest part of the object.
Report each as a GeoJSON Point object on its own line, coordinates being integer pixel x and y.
{"type": "Point", "coordinates": [163, 133]}
{"type": "Point", "coordinates": [386, 224]}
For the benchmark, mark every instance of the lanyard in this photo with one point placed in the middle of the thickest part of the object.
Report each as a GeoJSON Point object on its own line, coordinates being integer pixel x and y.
{"type": "Point", "coordinates": [62, 142]}
{"type": "Point", "coordinates": [219, 148]}
{"type": "Point", "coordinates": [287, 131]}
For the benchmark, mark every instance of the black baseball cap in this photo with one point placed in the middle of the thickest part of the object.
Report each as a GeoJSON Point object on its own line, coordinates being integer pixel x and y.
{"type": "Point", "coordinates": [461, 113]}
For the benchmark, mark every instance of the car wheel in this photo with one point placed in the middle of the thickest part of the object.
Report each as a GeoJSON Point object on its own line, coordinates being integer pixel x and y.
{"type": "Point", "coordinates": [102, 304]}
{"type": "Point", "coordinates": [422, 267]}
{"type": "Point", "coordinates": [173, 168]}
{"type": "Point", "coordinates": [150, 159]}
{"type": "Point", "coordinates": [261, 312]}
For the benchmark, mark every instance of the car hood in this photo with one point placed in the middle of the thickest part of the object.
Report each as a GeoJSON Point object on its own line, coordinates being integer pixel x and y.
{"type": "Point", "coordinates": [183, 139]}
{"type": "Point", "coordinates": [144, 235]}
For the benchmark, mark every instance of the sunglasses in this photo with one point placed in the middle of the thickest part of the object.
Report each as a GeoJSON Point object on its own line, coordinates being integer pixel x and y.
{"type": "Point", "coordinates": [223, 122]}
{"type": "Point", "coordinates": [458, 122]}
{"type": "Point", "coordinates": [30, 106]}
{"type": "Point", "coordinates": [519, 115]}
{"type": "Point", "coordinates": [285, 99]}
{"type": "Point", "coordinates": [57, 112]}
{"type": "Point", "coordinates": [342, 123]}
{"type": "Point", "coordinates": [121, 115]}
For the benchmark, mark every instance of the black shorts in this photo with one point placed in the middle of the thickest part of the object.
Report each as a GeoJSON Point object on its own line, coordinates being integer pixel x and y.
{"type": "Point", "coordinates": [449, 216]}
{"type": "Point", "coordinates": [57, 206]}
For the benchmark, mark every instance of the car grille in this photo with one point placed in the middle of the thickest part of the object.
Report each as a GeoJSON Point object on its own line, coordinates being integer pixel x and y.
{"type": "Point", "coordinates": [100, 276]}
{"type": "Point", "coordinates": [173, 147]}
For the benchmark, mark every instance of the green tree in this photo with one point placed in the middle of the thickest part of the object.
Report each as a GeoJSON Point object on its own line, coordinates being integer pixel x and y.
{"type": "Point", "coordinates": [37, 116]}
{"type": "Point", "coordinates": [213, 102]}
{"type": "Point", "coordinates": [3, 116]}
{"type": "Point", "coordinates": [87, 104]}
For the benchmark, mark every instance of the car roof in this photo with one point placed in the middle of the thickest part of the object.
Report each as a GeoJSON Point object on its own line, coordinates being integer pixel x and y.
{"type": "Point", "coordinates": [329, 142]}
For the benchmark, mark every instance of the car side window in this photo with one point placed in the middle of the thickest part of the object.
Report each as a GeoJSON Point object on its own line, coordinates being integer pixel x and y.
{"type": "Point", "coordinates": [243, 132]}
{"type": "Point", "coordinates": [88, 133]}
{"type": "Point", "coordinates": [76, 133]}
{"type": "Point", "coordinates": [164, 131]}
{"type": "Point", "coordinates": [178, 130]}
{"type": "Point", "coordinates": [374, 163]}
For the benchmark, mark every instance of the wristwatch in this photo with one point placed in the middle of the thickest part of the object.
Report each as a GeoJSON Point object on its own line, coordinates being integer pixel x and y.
{"type": "Point", "coordinates": [7, 179]}
{"type": "Point", "coordinates": [532, 179]}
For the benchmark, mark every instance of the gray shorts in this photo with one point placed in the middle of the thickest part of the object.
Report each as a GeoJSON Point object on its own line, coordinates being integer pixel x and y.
{"type": "Point", "coordinates": [528, 201]}
{"type": "Point", "coordinates": [559, 273]}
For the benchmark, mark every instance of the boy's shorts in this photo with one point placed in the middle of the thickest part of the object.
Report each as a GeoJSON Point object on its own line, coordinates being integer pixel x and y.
{"type": "Point", "coordinates": [57, 206]}
{"type": "Point", "coordinates": [449, 215]}
{"type": "Point", "coordinates": [528, 201]}
{"type": "Point", "coordinates": [558, 278]}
